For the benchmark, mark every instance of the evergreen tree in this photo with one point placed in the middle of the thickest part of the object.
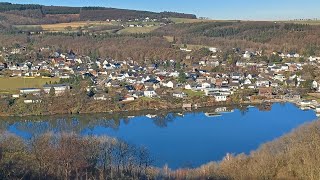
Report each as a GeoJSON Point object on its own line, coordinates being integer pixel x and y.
{"type": "Point", "coordinates": [52, 92]}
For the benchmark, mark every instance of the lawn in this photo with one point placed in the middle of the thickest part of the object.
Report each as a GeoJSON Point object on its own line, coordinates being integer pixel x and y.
{"type": "Point", "coordinates": [191, 93]}
{"type": "Point", "coordinates": [312, 96]}
{"type": "Point", "coordinates": [13, 84]}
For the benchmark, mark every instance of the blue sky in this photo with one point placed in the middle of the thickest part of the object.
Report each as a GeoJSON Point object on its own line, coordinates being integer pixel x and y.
{"type": "Point", "coordinates": [215, 9]}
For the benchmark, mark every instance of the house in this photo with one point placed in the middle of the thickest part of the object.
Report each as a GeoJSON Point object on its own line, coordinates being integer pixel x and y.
{"type": "Point", "coordinates": [279, 77]}
{"type": "Point", "coordinates": [127, 98]}
{"type": "Point", "coordinates": [30, 101]}
{"type": "Point", "coordinates": [240, 63]}
{"type": "Point", "coordinates": [247, 55]}
{"type": "Point", "coordinates": [139, 87]}
{"type": "Point", "coordinates": [205, 85]}
{"type": "Point", "coordinates": [59, 88]}
{"type": "Point", "coordinates": [213, 49]}
{"type": "Point", "coordinates": [168, 84]}
{"type": "Point", "coordinates": [130, 88]}
{"type": "Point", "coordinates": [178, 94]}
{"type": "Point", "coordinates": [34, 91]}
{"type": "Point", "coordinates": [213, 91]}
{"type": "Point", "coordinates": [262, 83]}
{"type": "Point", "coordinates": [285, 67]}
{"type": "Point", "coordinates": [235, 76]}
{"type": "Point", "coordinates": [234, 86]}
{"type": "Point", "coordinates": [247, 81]}
{"type": "Point", "coordinates": [100, 97]}
{"type": "Point", "coordinates": [213, 63]}
{"type": "Point", "coordinates": [314, 85]}
{"type": "Point", "coordinates": [149, 93]}
{"type": "Point", "coordinates": [219, 97]}
{"type": "Point", "coordinates": [114, 84]}
{"type": "Point", "coordinates": [188, 87]}
{"type": "Point", "coordinates": [151, 85]}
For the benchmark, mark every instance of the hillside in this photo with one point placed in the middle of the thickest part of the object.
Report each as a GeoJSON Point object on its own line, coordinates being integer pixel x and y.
{"type": "Point", "coordinates": [39, 14]}
{"type": "Point", "coordinates": [273, 36]}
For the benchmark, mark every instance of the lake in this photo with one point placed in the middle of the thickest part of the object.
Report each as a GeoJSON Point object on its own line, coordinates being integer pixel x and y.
{"type": "Point", "coordinates": [178, 139]}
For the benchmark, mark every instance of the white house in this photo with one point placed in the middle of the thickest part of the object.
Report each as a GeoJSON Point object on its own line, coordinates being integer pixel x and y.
{"type": "Point", "coordinates": [188, 87]}
{"type": "Point", "coordinates": [34, 91]}
{"type": "Point", "coordinates": [236, 76]}
{"type": "Point", "coordinates": [214, 91]}
{"type": "Point", "coordinates": [205, 85]}
{"type": "Point", "coordinates": [240, 64]}
{"type": "Point", "coordinates": [213, 49]}
{"type": "Point", "coordinates": [179, 94]}
{"type": "Point", "coordinates": [247, 82]}
{"type": "Point", "coordinates": [100, 97]}
{"type": "Point", "coordinates": [315, 85]}
{"type": "Point", "coordinates": [220, 98]}
{"type": "Point", "coordinates": [285, 67]}
{"type": "Point", "coordinates": [59, 88]}
{"type": "Point", "coordinates": [149, 93]}
{"type": "Point", "coordinates": [168, 84]}
{"type": "Point", "coordinates": [279, 77]}
{"type": "Point", "coordinates": [247, 55]}
{"type": "Point", "coordinates": [263, 83]}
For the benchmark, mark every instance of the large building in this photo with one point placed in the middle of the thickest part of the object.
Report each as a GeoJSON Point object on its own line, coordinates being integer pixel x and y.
{"type": "Point", "coordinates": [59, 88]}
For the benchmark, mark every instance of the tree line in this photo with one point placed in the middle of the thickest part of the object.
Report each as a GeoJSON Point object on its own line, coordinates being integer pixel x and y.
{"type": "Point", "coordinates": [70, 156]}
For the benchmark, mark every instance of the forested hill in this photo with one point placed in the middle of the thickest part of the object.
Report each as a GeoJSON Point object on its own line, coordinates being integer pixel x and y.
{"type": "Point", "coordinates": [85, 13]}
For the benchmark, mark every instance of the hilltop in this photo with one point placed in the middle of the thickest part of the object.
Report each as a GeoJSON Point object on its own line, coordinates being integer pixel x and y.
{"type": "Point", "coordinates": [39, 14]}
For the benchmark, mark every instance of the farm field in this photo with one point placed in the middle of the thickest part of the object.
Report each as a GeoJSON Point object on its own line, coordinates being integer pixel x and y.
{"type": "Point", "coordinates": [185, 20]}
{"type": "Point", "coordinates": [73, 25]}
{"type": "Point", "coordinates": [13, 84]}
{"type": "Point", "coordinates": [60, 27]}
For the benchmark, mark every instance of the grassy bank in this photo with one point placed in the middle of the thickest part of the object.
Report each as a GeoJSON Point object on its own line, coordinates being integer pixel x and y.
{"type": "Point", "coordinates": [9, 84]}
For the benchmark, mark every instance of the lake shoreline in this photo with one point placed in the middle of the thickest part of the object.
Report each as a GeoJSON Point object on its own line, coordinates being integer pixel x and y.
{"type": "Point", "coordinates": [201, 125]}
{"type": "Point", "coordinates": [174, 107]}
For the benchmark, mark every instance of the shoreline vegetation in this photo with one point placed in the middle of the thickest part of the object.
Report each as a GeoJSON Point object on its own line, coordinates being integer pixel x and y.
{"type": "Point", "coordinates": [140, 105]}
{"type": "Point", "coordinates": [69, 156]}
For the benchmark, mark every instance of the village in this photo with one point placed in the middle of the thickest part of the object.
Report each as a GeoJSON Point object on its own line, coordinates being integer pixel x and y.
{"type": "Point", "coordinates": [245, 80]}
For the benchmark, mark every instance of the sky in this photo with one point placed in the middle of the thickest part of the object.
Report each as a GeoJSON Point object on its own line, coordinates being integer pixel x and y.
{"type": "Point", "coordinates": [213, 9]}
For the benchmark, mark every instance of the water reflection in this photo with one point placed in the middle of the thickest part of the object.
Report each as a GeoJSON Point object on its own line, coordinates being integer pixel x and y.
{"type": "Point", "coordinates": [77, 123]}
{"type": "Point", "coordinates": [177, 138]}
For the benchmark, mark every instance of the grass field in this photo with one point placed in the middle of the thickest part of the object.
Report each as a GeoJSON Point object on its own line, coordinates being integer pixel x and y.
{"type": "Point", "coordinates": [139, 30]}
{"type": "Point", "coordinates": [73, 25]}
{"type": "Point", "coordinates": [191, 93]}
{"type": "Point", "coordinates": [185, 20]}
{"type": "Point", "coordinates": [61, 27]}
{"type": "Point", "coordinates": [13, 84]}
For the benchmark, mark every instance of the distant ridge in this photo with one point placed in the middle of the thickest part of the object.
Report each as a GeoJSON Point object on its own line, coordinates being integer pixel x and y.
{"type": "Point", "coordinates": [88, 13]}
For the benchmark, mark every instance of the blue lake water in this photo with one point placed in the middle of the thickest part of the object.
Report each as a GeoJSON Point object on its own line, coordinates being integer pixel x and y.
{"type": "Point", "coordinates": [181, 140]}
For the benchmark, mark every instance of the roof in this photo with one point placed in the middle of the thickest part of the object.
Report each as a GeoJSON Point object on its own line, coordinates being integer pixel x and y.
{"type": "Point", "coordinates": [55, 85]}
{"type": "Point", "coordinates": [26, 89]}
